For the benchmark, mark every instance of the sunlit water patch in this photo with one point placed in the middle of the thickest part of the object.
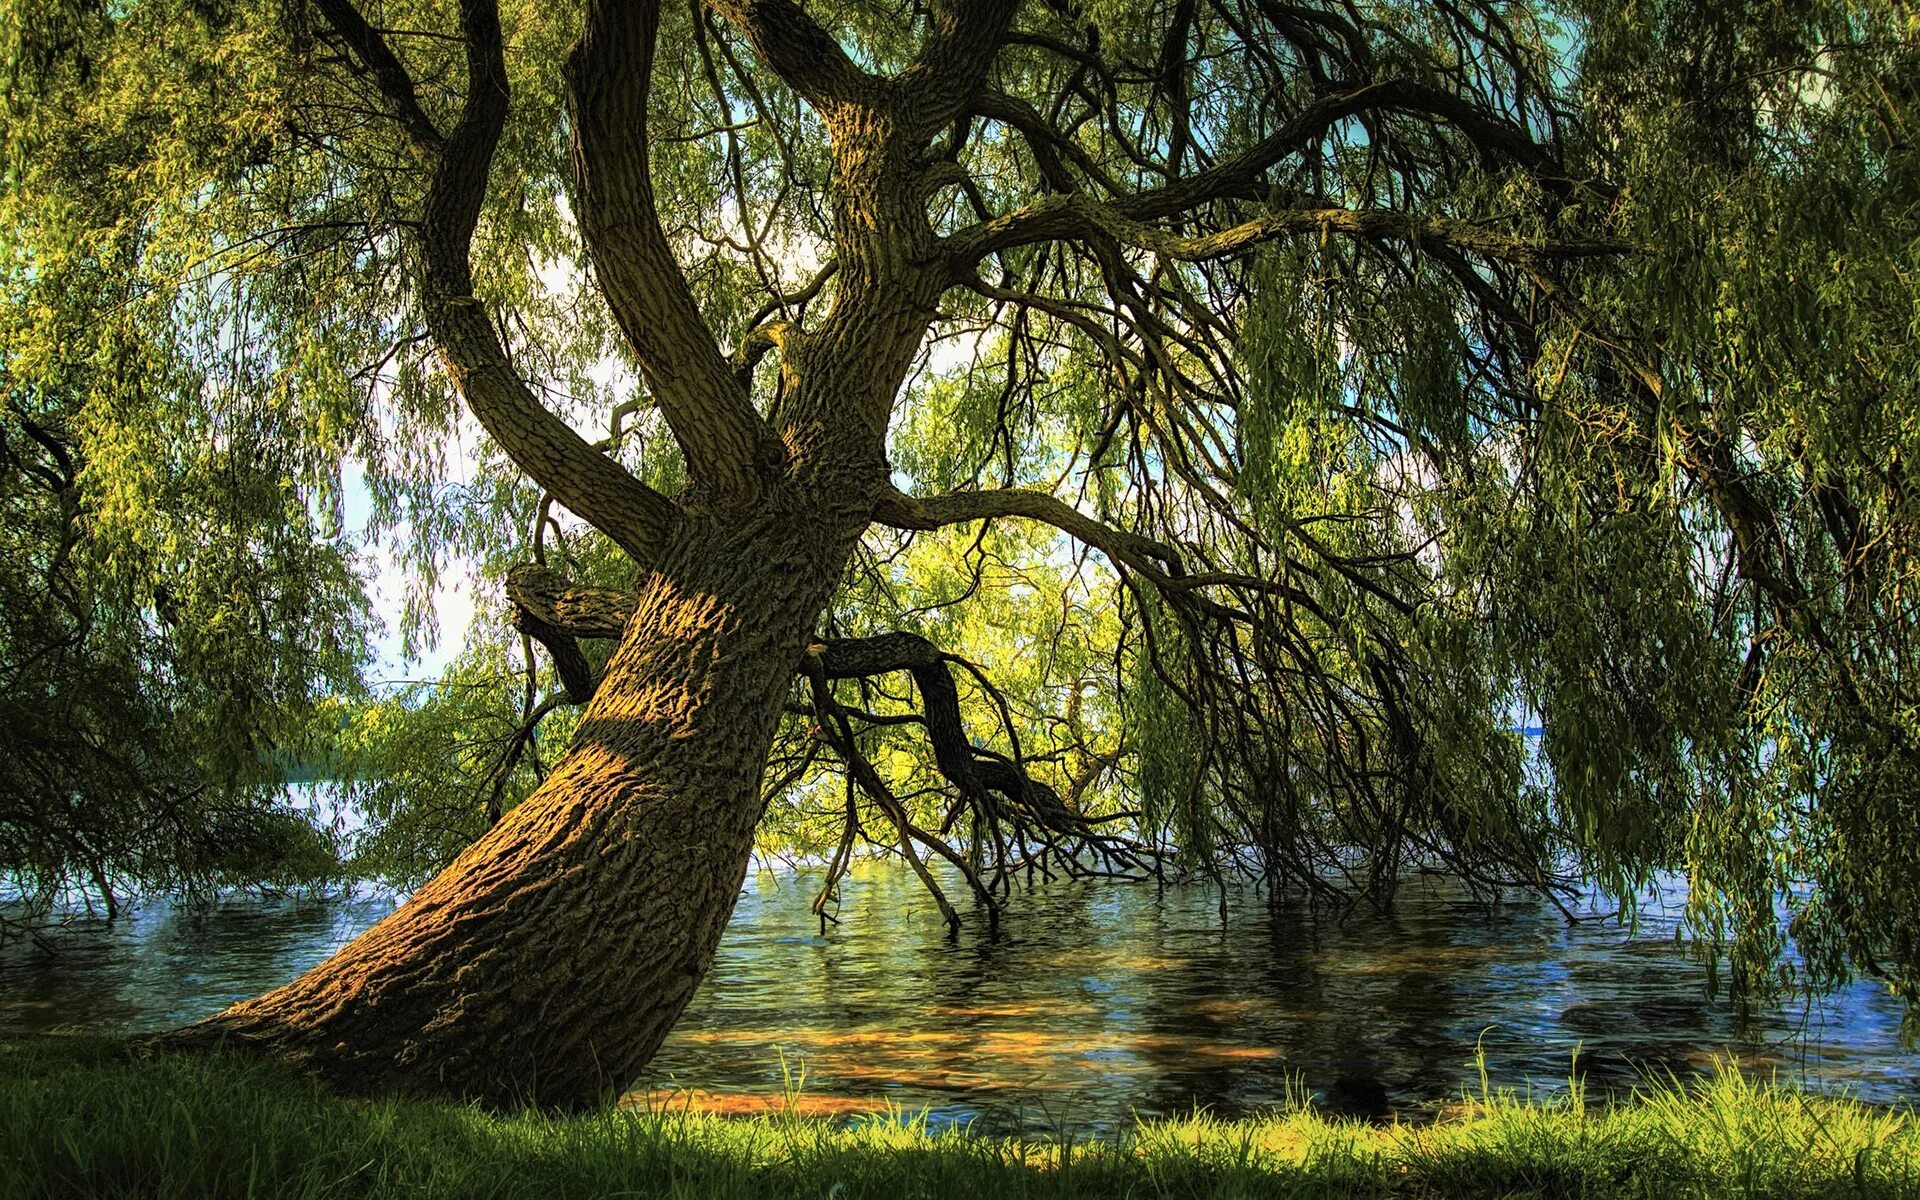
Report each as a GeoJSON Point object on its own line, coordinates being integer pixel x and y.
{"type": "Point", "coordinates": [1095, 1002]}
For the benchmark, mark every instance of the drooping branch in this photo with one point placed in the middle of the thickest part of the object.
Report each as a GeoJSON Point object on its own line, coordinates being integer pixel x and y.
{"type": "Point", "coordinates": [569, 661]}
{"type": "Point", "coordinates": [1239, 176]}
{"type": "Point", "coordinates": [726, 444]}
{"type": "Point", "coordinates": [1242, 176]}
{"type": "Point", "coordinates": [1226, 636]}
{"type": "Point", "coordinates": [1760, 546]}
{"type": "Point", "coordinates": [976, 774]}
{"type": "Point", "coordinates": [1015, 813]}
{"type": "Point", "coordinates": [859, 658]}
{"type": "Point", "coordinates": [557, 614]}
{"type": "Point", "coordinates": [838, 731]}
{"type": "Point", "coordinates": [601, 491]}
{"type": "Point", "coordinates": [1051, 149]}
{"type": "Point", "coordinates": [1153, 560]}
{"type": "Point", "coordinates": [517, 745]}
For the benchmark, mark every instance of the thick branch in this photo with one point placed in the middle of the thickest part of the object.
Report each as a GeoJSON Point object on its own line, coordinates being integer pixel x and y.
{"type": "Point", "coordinates": [725, 442]}
{"type": "Point", "coordinates": [1239, 176]}
{"type": "Point", "coordinates": [805, 56]}
{"type": "Point", "coordinates": [953, 63]}
{"type": "Point", "coordinates": [969, 769]}
{"type": "Point", "coordinates": [571, 609]}
{"type": "Point", "coordinates": [833, 724]}
{"type": "Point", "coordinates": [774, 335]}
{"type": "Point", "coordinates": [548, 608]}
{"type": "Point", "coordinates": [1153, 561]}
{"type": "Point", "coordinates": [1049, 146]}
{"type": "Point", "coordinates": [544, 446]}
{"type": "Point", "coordinates": [576, 674]}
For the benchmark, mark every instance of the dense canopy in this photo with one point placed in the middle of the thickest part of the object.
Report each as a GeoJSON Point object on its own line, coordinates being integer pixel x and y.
{"type": "Point", "coordinates": [1319, 441]}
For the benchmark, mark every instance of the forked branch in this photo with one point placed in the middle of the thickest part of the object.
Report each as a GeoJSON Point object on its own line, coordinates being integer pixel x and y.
{"type": "Point", "coordinates": [602, 492]}
{"type": "Point", "coordinates": [953, 63]}
{"type": "Point", "coordinates": [726, 444]}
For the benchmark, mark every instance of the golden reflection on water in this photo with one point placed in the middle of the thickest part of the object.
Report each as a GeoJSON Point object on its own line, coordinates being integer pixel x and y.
{"type": "Point", "coordinates": [751, 1104]}
{"type": "Point", "coordinates": [1401, 960]}
{"type": "Point", "coordinates": [949, 1060]}
{"type": "Point", "coordinates": [1222, 1009]}
{"type": "Point", "coordinates": [1029, 1008]}
{"type": "Point", "coordinates": [1117, 1000]}
{"type": "Point", "coordinates": [1097, 1002]}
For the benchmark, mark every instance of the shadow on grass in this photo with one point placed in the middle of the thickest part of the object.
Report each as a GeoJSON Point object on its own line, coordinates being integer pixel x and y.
{"type": "Point", "coordinates": [81, 1117]}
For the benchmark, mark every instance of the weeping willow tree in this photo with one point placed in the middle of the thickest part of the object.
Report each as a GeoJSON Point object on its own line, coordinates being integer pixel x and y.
{"type": "Point", "coordinates": [172, 618]}
{"type": "Point", "coordinates": [148, 709]}
{"type": "Point", "coordinates": [1050, 437]}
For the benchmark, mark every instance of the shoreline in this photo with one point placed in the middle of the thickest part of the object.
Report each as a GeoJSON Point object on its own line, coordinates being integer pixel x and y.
{"type": "Point", "coordinates": [88, 1117]}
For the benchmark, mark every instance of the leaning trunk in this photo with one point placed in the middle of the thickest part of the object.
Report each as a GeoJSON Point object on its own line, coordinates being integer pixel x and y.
{"type": "Point", "coordinates": [548, 962]}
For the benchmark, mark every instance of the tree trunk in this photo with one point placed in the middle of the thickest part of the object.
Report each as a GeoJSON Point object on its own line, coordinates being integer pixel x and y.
{"type": "Point", "coordinates": [548, 962]}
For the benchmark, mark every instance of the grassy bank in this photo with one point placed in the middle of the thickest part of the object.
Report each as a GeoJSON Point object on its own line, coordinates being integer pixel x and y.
{"type": "Point", "coordinates": [77, 1120]}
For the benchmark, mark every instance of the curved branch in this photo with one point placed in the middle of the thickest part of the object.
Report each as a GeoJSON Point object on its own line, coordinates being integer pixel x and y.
{"type": "Point", "coordinates": [609, 75]}
{"type": "Point", "coordinates": [1239, 177]}
{"type": "Point", "coordinates": [516, 748]}
{"type": "Point", "coordinates": [577, 611]}
{"type": "Point", "coordinates": [805, 56]}
{"type": "Point", "coordinates": [808, 290]}
{"type": "Point", "coordinates": [1154, 561]}
{"type": "Point", "coordinates": [547, 608]}
{"type": "Point", "coordinates": [1143, 554]}
{"type": "Point", "coordinates": [970, 769]}
{"type": "Point", "coordinates": [556, 614]}
{"type": "Point", "coordinates": [1049, 147]}
{"type": "Point", "coordinates": [773, 335]}
{"type": "Point", "coordinates": [977, 774]}
{"type": "Point", "coordinates": [569, 662]}
{"type": "Point", "coordinates": [636, 517]}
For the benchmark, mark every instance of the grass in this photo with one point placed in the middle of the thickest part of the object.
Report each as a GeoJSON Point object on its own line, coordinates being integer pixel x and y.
{"type": "Point", "coordinates": [79, 1118]}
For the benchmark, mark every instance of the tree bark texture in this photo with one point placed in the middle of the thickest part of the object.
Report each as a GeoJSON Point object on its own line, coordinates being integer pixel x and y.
{"type": "Point", "coordinates": [549, 961]}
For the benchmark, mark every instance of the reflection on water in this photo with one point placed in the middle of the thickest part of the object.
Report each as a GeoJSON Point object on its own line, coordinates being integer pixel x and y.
{"type": "Point", "coordinates": [1095, 1002]}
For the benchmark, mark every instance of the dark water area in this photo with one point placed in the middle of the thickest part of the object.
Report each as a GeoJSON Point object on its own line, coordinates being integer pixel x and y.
{"type": "Point", "coordinates": [1096, 1002]}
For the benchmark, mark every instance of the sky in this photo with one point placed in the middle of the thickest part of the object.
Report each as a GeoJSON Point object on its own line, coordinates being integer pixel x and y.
{"type": "Point", "coordinates": [454, 601]}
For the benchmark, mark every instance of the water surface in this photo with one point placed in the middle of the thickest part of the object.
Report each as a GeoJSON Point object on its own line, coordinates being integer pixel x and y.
{"type": "Point", "coordinates": [1095, 1002]}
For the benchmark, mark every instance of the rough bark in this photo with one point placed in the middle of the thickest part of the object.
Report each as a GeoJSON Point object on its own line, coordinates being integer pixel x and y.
{"type": "Point", "coordinates": [547, 964]}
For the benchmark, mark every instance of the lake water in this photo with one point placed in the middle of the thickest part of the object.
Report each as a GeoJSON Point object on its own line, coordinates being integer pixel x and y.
{"type": "Point", "coordinates": [1095, 1002]}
